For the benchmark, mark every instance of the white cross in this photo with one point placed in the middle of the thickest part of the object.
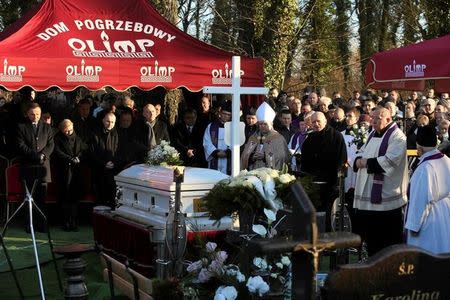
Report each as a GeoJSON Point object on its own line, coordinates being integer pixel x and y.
{"type": "Point", "coordinates": [236, 90]}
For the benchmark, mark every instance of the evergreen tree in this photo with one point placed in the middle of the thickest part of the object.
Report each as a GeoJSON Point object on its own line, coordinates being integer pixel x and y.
{"type": "Point", "coordinates": [319, 44]}
{"type": "Point", "coordinates": [343, 36]}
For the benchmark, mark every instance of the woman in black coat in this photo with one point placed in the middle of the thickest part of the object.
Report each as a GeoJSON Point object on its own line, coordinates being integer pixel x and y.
{"type": "Point", "coordinates": [69, 152]}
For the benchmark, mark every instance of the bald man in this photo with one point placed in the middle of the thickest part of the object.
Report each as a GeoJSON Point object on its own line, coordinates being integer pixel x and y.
{"type": "Point", "coordinates": [381, 183]}
{"type": "Point", "coordinates": [150, 131]}
{"type": "Point", "coordinates": [323, 153]}
{"type": "Point", "coordinates": [107, 158]}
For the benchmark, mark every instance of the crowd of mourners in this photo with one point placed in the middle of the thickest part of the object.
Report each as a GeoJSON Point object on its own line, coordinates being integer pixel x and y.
{"type": "Point", "coordinates": [83, 143]}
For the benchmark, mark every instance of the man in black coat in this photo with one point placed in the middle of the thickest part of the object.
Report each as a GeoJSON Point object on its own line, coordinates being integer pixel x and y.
{"type": "Point", "coordinates": [150, 131]}
{"type": "Point", "coordinates": [187, 138]}
{"type": "Point", "coordinates": [35, 145]}
{"type": "Point", "coordinates": [107, 159]}
{"type": "Point", "coordinates": [83, 123]}
{"type": "Point", "coordinates": [323, 153]}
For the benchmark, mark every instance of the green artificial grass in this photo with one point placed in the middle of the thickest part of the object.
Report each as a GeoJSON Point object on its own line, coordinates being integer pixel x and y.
{"type": "Point", "coordinates": [20, 249]}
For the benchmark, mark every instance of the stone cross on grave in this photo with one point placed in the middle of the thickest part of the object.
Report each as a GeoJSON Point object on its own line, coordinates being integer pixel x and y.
{"type": "Point", "coordinates": [236, 91]}
{"type": "Point", "coordinates": [305, 245]}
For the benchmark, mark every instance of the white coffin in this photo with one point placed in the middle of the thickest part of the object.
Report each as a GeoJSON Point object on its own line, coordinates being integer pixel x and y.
{"type": "Point", "coordinates": [148, 193]}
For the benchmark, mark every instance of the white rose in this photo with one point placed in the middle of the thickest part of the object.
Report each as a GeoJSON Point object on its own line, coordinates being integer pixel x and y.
{"type": "Point", "coordinates": [285, 260]}
{"type": "Point", "coordinates": [286, 178]}
{"type": "Point", "coordinates": [256, 285]}
{"type": "Point", "coordinates": [240, 277]}
{"type": "Point", "coordinates": [279, 265]}
{"type": "Point", "coordinates": [226, 293]}
{"type": "Point", "coordinates": [260, 263]}
{"type": "Point", "coordinates": [274, 173]}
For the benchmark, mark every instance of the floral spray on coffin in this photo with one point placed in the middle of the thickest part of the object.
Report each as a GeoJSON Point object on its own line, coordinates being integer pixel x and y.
{"type": "Point", "coordinates": [247, 195]}
{"type": "Point", "coordinates": [163, 155]}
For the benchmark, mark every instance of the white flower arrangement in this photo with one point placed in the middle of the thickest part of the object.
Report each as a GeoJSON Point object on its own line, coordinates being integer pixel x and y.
{"type": "Point", "coordinates": [275, 267]}
{"type": "Point", "coordinates": [269, 272]}
{"type": "Point", "coordinates": [211, 269]}
{"type": "Point", "coordinates": [248, 191]}
{"type": "Point", "coordinates": [164, 155]}
{"type": "Point", "coordinates": [264, 181]}
{"type": "Point", "coordinates": [359, 134]}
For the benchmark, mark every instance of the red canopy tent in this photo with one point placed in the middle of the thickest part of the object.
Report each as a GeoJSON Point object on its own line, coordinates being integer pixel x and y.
{"type": "Point", "coordinates": [97, 43]}
{"type": "Point", "coordinates": [408, 68]}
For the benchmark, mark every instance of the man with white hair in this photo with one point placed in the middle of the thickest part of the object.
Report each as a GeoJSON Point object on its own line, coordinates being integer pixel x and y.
{"type": "Point", "coordinates": [266, 147]}
{"type": "Point", "coordinates": [323, 154]}
{"type": "Point", "coordinates": [428, 105]}
{"type": "Point", "coordinates": [381, 183]}
{"type": "Point", "coordinates": [429, 197]}
{"type": "Point", "coordinates": [150, 131]}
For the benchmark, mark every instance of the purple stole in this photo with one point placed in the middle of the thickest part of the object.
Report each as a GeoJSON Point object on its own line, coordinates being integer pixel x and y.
{"type": "Point", "coordinates": [214, 133]}
{"type": "Point", "coordinates": [378, 179]}
{"type": "Point", "coordinates": [299, 137]}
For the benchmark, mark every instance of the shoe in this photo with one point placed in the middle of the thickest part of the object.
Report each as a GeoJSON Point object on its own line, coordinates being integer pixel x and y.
{"type": "Point", "coordinates": [74, 226]}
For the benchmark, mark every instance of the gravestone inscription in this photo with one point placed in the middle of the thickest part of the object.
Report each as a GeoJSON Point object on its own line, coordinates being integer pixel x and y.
{"type": "Point", "coordinates": [399, 272]}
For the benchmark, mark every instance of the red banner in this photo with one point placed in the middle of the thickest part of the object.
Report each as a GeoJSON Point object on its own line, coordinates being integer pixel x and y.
{"type": "Point", "coordinates": [409, 68]}
{"type": "Point", "coordinates": [97, 43]}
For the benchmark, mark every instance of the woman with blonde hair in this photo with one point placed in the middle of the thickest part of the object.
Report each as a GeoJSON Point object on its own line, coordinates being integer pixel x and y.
{"type": "Point", "coordinates": [69, 152]}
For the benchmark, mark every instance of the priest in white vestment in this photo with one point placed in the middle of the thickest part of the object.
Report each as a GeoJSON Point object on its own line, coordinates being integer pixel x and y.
{"type": "Point", "coordinates": [217, 153]}
{"type": "Point", "coordinates": [266, 147]}
{"type": "Point", "coordinates": [381, 184]}
{"type": "Point", "coordinates": [428, 214]}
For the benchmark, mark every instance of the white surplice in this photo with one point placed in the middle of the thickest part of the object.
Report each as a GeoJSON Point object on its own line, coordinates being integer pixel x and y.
{"type": "Point", "coordinates": [429, 205]}
{"type": "Point", "coordinates": [350, 179]}
{"type": "Point", "coordinates": [394, 164]}
{"type": "Point", "coordinates": [210, 148]}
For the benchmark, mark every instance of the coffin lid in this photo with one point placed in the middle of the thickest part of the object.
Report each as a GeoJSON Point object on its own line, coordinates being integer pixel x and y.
{"type": "Point", "coordinates": [161, 178]}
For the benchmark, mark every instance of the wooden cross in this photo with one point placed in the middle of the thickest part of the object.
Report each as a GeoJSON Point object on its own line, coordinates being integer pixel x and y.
{"type": "Point", "coordinates": [305, 245]}
{"type": "Point", "coordinates": [236, 91]}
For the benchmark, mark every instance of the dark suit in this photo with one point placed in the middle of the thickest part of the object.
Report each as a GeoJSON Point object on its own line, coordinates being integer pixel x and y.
{"type": "Point", "coordinates": [31, 145]}
{"type": "Point", "coordinates": [141, 133]}
{"type": "Point", "coordinates": [84, 128]}
{"type": "Point", "coordinates": [69, 176]}
{"type": "Point", "coordinates": [105, 147]}
{"type": "Point", "coordinates": [33, 165]}
{"type": "Point", "coordinates": [287, 133]}
{"type": "Point", "coordinates": [183, 140]}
